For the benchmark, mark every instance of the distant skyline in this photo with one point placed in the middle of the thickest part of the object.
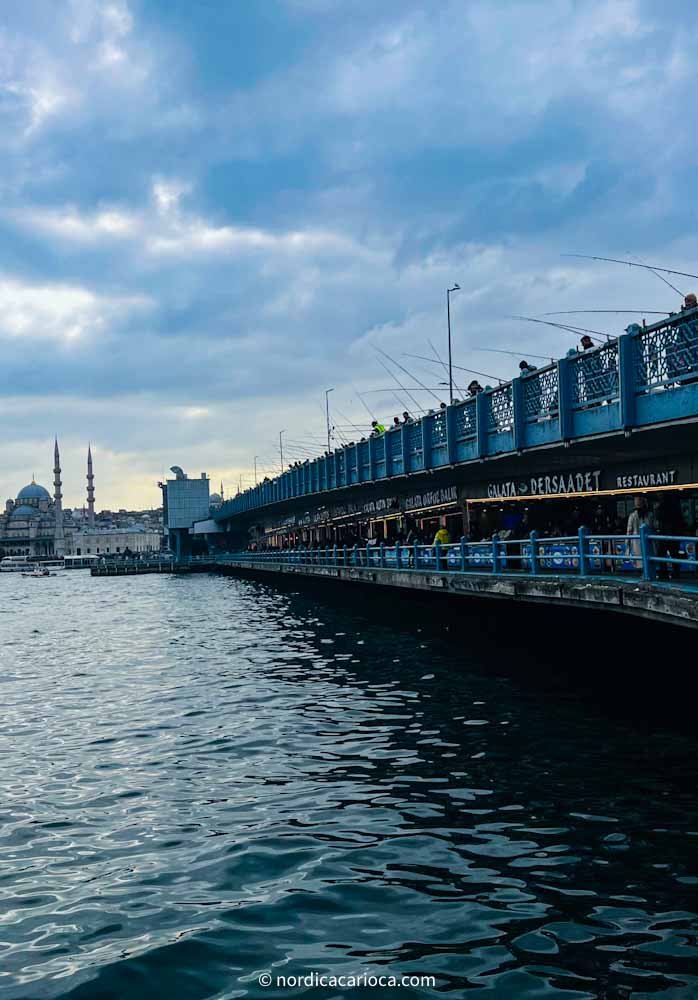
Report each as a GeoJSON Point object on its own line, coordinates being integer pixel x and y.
{"type": "Point", "coordinates": [210, 213]}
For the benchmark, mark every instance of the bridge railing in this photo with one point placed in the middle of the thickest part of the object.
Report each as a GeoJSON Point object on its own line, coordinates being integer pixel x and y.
{"type": "Point", "coordinates": [583, 554]}
{"type": "Point", "coordinates": [666, 354]}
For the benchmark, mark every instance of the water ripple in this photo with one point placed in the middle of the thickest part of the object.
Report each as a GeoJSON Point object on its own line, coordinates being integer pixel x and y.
{"type": "Point", "coordinates": [205, 779]}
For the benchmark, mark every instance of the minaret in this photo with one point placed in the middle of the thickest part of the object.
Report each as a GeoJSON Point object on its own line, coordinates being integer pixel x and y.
{"type": "Point", "coordinates": [58, 538]}
{"type": "Point", "coordinates": [90, 490]}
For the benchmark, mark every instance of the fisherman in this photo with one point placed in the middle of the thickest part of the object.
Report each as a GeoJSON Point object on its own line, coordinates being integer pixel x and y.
{"type": "Point", "coordinates": [586, 342]}
{"type": "Point", "coordinates": [378, 429]}
{"type": "Point", "coordinates": [442, 406]}
{"type": "Point", "coordinates": [396, 421]}
{"type": "Point", "coordinates": [406, 418]}
{"type": "Point", "coordinates": [525, 368]}
{"type": "Point", "coordinates": [442, 536]}
{"type": "Point", "coordinates": [690, 302]}
{"type": "Point", "coordinates": [474, 388]}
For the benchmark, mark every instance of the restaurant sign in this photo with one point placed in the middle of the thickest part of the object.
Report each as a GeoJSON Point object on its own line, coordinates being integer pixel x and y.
{"type": "Point", "coordinates": [433, 498]}
{"type": "Point", "coordinates": [382, 506]}
{"type": "Point", "coordinates": [640, 480]}
{"type": "Point", "coordinates": [586, 481]}
{"type": "Point", "coordinates": [559, 484]}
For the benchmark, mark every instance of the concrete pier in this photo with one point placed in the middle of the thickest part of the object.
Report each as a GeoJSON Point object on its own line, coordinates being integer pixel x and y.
{"type": "Point", "coordinates": [656, 601]}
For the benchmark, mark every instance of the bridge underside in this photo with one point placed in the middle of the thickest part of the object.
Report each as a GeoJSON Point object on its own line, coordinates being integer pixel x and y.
{"type": "Point", "coordinates": [656, 602]}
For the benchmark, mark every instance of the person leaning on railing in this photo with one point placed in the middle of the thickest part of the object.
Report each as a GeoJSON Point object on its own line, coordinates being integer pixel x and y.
{"type": "Point", "coordinates": [640, 515]}
{"type": "Point", "coordinates": [442, 537]}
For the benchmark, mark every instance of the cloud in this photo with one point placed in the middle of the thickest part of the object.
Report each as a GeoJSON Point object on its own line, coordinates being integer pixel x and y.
{"type": "Point", "coordinates": [210, 216]}
{"type": "Point", "coordinates": [62, 313]}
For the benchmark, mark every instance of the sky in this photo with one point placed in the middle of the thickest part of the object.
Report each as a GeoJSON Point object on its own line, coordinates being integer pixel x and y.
{"type": "Point", "coordinates": [212, 212]}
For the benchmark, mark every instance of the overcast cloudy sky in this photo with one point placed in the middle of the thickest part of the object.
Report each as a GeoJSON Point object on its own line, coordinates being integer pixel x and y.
{"type": "Point", "coordinates": [212, 211]}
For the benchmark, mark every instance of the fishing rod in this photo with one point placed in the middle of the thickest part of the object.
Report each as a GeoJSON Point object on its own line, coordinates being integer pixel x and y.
{"type": "Point", "coordinates": [425, 389]}
{"type": "Point", "coordinates": [564, 326]}
{"type": "Point", "coordinates": [630, 263]}
{"type": "Point", "coordinates": [399, 383]}
{"type": "Point", "coordinates": [445, 367]}
{"type": "Point", "coordinates": [470, 371]}
{"type": "Point", "coordinates": [392, 393]}
{"type": "Point", "coordinates": [656, 273]}
{"type": "Point", "coordinates": [345, 417]}
{"type": "Point", "coordinates": [370, 412]}
{"type": "Point", "coordinates": [514, 354]}
{"type": "Point", "coordinates": [408, 373]}
{"type": "Point", "coordinates": [642, 312]}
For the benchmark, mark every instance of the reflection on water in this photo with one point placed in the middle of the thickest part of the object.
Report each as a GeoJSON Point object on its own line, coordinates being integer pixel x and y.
{"type": "Point", "coordinates": [205, 779]}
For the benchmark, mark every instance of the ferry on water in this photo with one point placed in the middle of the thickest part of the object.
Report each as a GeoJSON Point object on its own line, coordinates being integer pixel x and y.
{"type": "Point", "coordinates": [16, 564]}
{"type": "Point", "coordinates": [24, 564]}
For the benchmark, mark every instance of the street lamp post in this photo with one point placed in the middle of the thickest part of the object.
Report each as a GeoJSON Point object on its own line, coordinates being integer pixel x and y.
{"type": "Point", "coordinates": [327, 416]}
{"type": "Point", "coordinates": [456, 288]}
{"type": "Point", "coordinates": [281, 449]}
{"type": "Point", "coordinates": [255, 469]}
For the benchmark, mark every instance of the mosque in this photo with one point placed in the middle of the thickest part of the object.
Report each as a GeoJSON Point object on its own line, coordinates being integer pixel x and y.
{"type": "Point", "coordinates": [35, 525]}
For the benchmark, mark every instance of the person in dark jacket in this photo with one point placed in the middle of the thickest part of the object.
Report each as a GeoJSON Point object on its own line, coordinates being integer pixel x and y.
{"type": "Point", "coordinates": [669, 522]}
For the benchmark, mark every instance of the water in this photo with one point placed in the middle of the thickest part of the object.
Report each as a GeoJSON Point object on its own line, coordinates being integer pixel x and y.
{"type": "Point", "coordinates": [205, 780]}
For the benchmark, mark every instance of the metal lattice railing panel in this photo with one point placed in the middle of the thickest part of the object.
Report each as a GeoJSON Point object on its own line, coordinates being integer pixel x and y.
{"type": "Point", "coordinates": [396, 445]}
{"type": "Point", "coordinates": [500, 409]}
{"type": "Point", "coordinates": [465, 421]}
{"type": "Point", "coordinates": [594, 375]}
{"type": "Point", "coordinates": [414, 438]}
{"type": "Point", "coordinates": [438, 429]}
{"type": "Point", "coordinates": [666, 355]}
{"type": "Point", "coordinates": [540, 393]}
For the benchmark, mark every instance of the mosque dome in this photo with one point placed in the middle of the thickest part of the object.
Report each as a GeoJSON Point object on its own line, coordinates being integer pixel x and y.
{"type": "Point", "coordinates": [24, 512]}
{"type": "Point", "coordinates": [33, 492]}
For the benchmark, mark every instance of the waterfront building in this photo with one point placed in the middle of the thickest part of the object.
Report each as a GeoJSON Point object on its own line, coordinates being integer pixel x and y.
{"type": "Point", "coordinates": [35, 524]}
{"type": "Point", "coordinates": [115, 541]}
{"type": "Point", "coordinates": [184, 502]}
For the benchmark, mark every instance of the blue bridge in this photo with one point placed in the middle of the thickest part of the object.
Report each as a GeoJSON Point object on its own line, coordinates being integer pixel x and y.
{"type": "Point", "coordinates": [646, 378]}
{"type": "Point", "coordinates": [578, 444]}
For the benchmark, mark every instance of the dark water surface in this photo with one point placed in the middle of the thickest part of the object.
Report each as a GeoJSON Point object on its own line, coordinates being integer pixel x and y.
{"type": "Point", "coordinates": [204, 780]}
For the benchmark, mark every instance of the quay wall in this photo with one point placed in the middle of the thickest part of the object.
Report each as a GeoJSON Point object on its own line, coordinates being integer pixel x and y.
{"type": "Point", "coordinates": [645, 600]}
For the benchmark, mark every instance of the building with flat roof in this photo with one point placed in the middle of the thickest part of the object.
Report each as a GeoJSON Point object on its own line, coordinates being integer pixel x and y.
{"type": "Point", "coordinates": [184, 501]}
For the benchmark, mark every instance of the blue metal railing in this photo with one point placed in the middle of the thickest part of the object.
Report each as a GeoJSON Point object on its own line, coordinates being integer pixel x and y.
{"type": "Point", "coordinates": [647, 375]}
{"type": "Point", "coordinates": [583, 554]}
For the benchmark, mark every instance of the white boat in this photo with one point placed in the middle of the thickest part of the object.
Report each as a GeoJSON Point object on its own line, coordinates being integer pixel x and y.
{"type": "Point", "coordinates": [39, 571]}
{"type": "Point", "coordinates": [16, 564]}
{"type": "Point", "coordinates": [52, 564]}
{"type": "Point", "coordinates": [25, 564]}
